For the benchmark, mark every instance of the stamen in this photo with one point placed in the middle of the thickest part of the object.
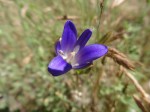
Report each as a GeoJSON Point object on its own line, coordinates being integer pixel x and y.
{"type": "Point", "coordinates": [60, 39]}
{"type": "Point", "coordinates": [60, 52]}
{"type": "Point", "coordinates": [76, 64]}
{"type": "Point", "coordinates": [76, 49]}
{"type": "Point", "coordinates": [70, 57]}
{"type": "Point", "coordinates": [73, 53]}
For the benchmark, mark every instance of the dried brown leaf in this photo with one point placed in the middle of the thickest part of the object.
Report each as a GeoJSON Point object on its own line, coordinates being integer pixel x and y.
{"type": "Point", "coordinates": [27, 59]}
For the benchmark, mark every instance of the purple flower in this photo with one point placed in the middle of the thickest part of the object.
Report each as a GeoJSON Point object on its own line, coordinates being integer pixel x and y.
{"type": "Point", "coordinates": [72, 52]}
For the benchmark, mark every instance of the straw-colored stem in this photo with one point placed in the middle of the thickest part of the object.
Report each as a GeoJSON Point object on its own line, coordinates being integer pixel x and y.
{"type": "Point", "coordinates": [138, 86]}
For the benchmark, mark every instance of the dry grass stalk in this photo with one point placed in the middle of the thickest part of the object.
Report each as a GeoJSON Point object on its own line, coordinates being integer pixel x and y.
{"type": "Point", "coordinates": [139, 103]}
{"type": "Point", "coordinates": [120, 58]}
{"type": "Point", "coordinates": [143, 102]}
{"type": "Point", "coordinates": [24, 10]}
{"type": "Point", "coordinates": [118, 35]}
{"type": "Point", "coordinates": [117, 3]}
{"type": "Point", "coordinates": [65, 17]}
{"type": "Point", "coordinates": [145, 96]}
{"type": "Point", "coordinates": [111, 36]}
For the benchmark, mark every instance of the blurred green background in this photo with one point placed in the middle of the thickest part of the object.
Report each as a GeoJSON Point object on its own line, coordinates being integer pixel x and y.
{"type": "Point", "coordinates": [28, 32]}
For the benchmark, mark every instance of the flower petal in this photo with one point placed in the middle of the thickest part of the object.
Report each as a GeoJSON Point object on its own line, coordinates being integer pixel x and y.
{"type": "Point", "coordinates": [58, 66]}
{"type": "Point", "coordinates": [57, 47]}
{"type": "Point", "coordinates": [82, 66]}
{"type": "Point", "coordinates": [83, 39]}
{"type": "Point", "coordinates": [90, 53]}
{"type": "Point", "coordinates": [69, 37]}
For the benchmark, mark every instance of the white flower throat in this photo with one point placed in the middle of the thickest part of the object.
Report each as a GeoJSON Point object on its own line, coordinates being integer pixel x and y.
{"type": "Point", "coordinates": [70, 56]}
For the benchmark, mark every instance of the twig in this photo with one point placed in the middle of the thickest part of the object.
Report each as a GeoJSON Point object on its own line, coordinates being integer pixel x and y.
{"type": "Point", "coordinates": [125, 64]}
{"type": "Point", "coordinates": [65, 17]}
{"type": "Point", "coordinates": [100, 16]}
{"type": "Point", "coordinates": [95, 89]}
{"type": "Point", "coordinates": [139, 103]}
{"type": "Point", "coordinates": [96, 85]}
{"type": "Point", "coordinates": [145, 95]}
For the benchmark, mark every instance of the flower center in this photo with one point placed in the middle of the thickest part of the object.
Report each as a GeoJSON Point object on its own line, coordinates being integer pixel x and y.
{"type": "Point", "coordinates": [70, 57]}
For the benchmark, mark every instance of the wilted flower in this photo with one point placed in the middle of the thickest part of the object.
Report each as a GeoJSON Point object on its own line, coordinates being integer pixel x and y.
{"type": "Point", "coordinates": [72, 52]}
